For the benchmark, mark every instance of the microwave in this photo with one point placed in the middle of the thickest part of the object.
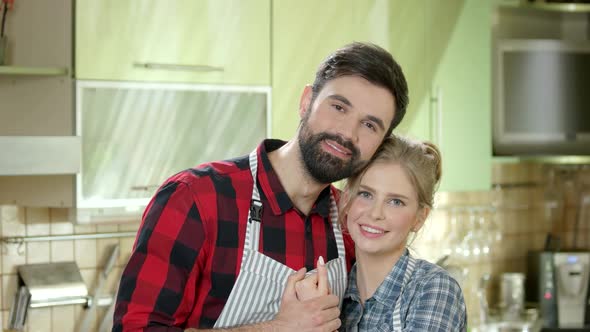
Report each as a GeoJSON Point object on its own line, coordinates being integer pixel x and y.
{"type": "Point", "coordinates": [541, 104]}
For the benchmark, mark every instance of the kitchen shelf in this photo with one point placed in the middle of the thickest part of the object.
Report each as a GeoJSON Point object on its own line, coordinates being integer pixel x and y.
{"type": "Point", "coordinates": [33, 71]}
{"type": "Point", "coordinates": [40, 155]}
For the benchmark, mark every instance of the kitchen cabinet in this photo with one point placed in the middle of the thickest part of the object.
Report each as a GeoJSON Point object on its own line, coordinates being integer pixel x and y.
{"type": "Point", "coordinates": [136, 135]}
{"type": "Point", "coordinates": [40, 152]}
{"type": "Point", "coordinates": [451, 91]}
{"type": "Point", "coordinates": [196, 41]}
{"type": "Point", "coordinates": [305, 32]}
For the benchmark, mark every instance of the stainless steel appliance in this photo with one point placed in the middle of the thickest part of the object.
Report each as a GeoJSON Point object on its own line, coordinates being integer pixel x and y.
{"type": "Point", "coordinates": [540, 107]}
{"type": "Point", "coordinates": [559, 281]}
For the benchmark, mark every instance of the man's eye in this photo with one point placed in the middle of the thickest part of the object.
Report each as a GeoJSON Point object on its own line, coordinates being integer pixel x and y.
{"type": "Point", "coordinates": [370, 126]}
{"type": "Point", "coordinates": [338, 107]}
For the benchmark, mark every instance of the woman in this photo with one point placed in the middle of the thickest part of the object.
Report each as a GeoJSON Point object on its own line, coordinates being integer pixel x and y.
{"type": "Point", "coordinates": [388, 289]}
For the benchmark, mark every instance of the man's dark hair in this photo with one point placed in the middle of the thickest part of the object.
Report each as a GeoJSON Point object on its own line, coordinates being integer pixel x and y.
{"type": "Point", "coordinates": [372, 63]}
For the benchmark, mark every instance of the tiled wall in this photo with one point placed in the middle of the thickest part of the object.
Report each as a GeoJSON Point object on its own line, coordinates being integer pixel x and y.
{"type": "Point", "coordinates": [89, 254]}
{"type": "Point", "coordinates": [517, 208]}
{"type": "Point", "coordinates": [520, 210]}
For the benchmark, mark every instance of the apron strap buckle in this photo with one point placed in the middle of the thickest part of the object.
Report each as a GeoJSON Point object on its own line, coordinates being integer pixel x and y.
{"type": "Point", "coordinates": [256, 210]}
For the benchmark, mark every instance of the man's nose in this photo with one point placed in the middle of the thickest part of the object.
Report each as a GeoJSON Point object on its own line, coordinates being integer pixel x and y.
{"type": "Point", "coordinates": [348, 129]}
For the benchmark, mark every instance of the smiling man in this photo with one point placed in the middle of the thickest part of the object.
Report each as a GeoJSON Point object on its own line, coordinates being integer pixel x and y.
{"type": "Point", "coordinates": [218, 242]}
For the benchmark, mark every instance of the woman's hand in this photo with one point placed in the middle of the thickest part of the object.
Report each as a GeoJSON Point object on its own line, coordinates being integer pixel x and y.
{"type": "Point", "coordinates": [315, 284]}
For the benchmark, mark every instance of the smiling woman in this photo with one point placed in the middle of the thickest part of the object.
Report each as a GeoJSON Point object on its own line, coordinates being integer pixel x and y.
{"type": "Point", "coordinates": [382, 205]}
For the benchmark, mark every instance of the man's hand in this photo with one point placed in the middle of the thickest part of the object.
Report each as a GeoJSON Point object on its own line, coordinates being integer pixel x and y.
{"type": "Point", "coordinates": [320, 313]}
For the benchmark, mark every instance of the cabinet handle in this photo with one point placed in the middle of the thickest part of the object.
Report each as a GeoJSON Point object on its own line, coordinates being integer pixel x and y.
{"type": "Point", "coordinates": [148, 187]}
{"type": "Point", "coordinates": [178, 67]}
{"type": "Point", "coordinates": [436, 128]}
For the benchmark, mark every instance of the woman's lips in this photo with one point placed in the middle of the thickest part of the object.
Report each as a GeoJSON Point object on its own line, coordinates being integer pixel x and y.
{"type": "Point", "coordinates": [371, 231]}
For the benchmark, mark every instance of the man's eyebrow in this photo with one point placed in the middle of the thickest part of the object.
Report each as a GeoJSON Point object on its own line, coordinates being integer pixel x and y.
{"type": "Point", "coordinates": [341, 98]}
{"type": "Point", "coordinates": [345, 100]}
{"type": "Point", "coordinates": [378, 121]}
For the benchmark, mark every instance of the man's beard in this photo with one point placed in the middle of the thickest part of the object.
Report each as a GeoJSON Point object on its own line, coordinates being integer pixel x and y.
{"type": "Point", "coordinates": [323, 166]}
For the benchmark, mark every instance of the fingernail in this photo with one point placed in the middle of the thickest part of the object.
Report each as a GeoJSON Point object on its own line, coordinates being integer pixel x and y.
{"type": "Point", "coordinates": [321, 261]}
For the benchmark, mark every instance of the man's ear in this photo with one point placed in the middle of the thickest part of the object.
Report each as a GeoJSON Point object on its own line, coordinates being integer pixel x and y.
{"type": "Point", "coordinates": [305, 101]}
{"type": "Point", "coordinates": [421, 218]}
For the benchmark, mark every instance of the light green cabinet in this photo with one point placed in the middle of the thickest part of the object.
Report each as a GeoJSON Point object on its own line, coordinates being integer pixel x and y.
{"type": "Point", "coordinates": [450, 84]}
{"type": "Point", "coordinates": [195, 41]}
{"type": "Point", "coordinates": [304, 33]}
{"type": "Point", "coordinates": [462, 92]}
{"type": "Point", "coordinates": [408, 35]}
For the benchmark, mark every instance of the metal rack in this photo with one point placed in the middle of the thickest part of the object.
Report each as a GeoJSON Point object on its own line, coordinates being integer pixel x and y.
{"type": "Point", "coordinates": [20, 240]}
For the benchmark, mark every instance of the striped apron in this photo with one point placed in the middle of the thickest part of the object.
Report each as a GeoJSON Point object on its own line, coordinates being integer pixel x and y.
{"type": "Point", "coordinates": [397, 320]}
{"type": "Point", "coordinates": [256, 295]}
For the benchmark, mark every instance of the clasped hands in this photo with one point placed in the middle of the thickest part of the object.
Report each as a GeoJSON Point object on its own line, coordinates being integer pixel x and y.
{"type": "Point", "coordinates": [308, 304]}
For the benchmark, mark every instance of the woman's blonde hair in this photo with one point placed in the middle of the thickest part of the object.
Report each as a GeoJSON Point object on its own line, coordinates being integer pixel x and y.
{"type": "Point", "coordinates": [420, 160]}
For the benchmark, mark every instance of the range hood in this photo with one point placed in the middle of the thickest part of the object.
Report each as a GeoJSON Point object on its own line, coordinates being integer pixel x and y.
{"type": "Point", "coordinates": [129, 138]}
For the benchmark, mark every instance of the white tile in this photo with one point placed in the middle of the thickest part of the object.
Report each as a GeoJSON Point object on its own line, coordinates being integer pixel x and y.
{"type": "Point", "coordinates": [126, 249]}
{"type": "Point", "coordinates": [9, 286]}
{"type": "Point", "coordinates": [103, 250]}
{"type": "Point", "coordinates": [129, 227]}
{"type": "Point", "coordinates": [62, 251]}
{"type": "Point", "coordinates": [107, 228]}
{"type": "Point", "coordinates": [37, 229]}
{"type": "Point", "coordinates": [12, 256]}
{"type": "Point", "coordinates": [11, 213]}
{"type": "Point", "coordinates": [12, 222]}
{"type": "Point", "coordinates": [59, 215]}
{"type": "Point", "coordinates": [85, 253]}
{"type": "Point", "coordinates": [84, 229]}
{"type": "Point", "coordinates": [62, 318]}
{"type": "Point", "coordinates": [38, 252]}
{"type": "Point", "coordinates": [89, 276]}
{"type": "Point", "coordinates": [4, 314]}
{"type": "Point", "coordinates": [39, 319]}
{"type": "Point", "coordinates": [61, 228]}
{"type": "Point", "coordinates": [113, 279]}
{"type": "Point", "coordinates": [36, 215]}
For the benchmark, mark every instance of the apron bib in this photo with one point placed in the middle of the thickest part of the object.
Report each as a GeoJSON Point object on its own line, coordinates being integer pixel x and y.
{"type": "Point", "coordinates": [257, 292]}
{"type": "Point", "coordinates": [397, 320]}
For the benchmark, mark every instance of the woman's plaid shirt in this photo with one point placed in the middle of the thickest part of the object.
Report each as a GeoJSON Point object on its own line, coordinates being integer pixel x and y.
{"type": "Point", "coordinates": [431, 301]}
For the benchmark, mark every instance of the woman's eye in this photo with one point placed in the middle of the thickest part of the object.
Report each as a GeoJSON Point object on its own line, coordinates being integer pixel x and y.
{"type": "Point", "coordinates": [364, 194]}
{"type": "Point", "coordinates": [397, 202]}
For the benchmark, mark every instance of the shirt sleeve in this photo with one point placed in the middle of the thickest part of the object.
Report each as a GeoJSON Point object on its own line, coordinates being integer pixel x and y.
{"type": "Point", "coordinates": [438, 306]}
{"type": "Point", "coordinates": [157, 288]}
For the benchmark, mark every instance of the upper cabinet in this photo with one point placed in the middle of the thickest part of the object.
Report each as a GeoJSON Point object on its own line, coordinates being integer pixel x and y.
{"type": "Point", "coordinates": [304, 33]}
{"type": "Point", "coordinates": [192, 41]}
{"type": "Point", "coordinates": [446, 54]}
{"type": "Point", "coordinates": [461, 91]}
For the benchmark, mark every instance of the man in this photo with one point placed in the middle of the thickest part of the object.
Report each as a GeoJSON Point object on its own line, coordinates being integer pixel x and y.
{"type": "Point", "coordinates": [218, 242]}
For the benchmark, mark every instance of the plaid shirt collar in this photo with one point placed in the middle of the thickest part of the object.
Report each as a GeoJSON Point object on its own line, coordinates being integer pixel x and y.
{"type": "Point", "coordinates": [389, 290]}
{"type": "Point", "coordinates": [273, 190]}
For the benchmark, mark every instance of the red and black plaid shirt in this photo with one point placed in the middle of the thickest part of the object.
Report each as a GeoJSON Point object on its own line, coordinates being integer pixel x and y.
{"type": "Point", "coordinates": [188, 249]}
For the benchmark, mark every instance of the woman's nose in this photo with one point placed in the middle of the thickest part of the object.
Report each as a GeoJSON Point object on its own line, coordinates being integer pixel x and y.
{"type": "Point", "coordinates": [377, 211]}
